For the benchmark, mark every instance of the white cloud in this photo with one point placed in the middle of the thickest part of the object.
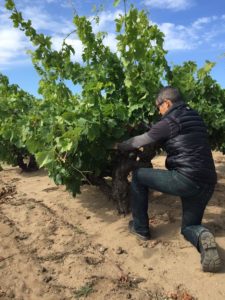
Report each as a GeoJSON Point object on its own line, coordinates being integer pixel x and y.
{"type": "Point", "coordinates": [42, 20]}
{"type": "Point", "coordinates": [13, 44]}
{"type": "Point", "coordinates": [106, 20]}
{"type": "Point", "coordinates": [111, 42]}
{"type": "Point", "coordinates": [170, 4]}
{"type": "Point", "coordinates": [106, 23]}
{"type": "Point", "coordinates": [203, 31]}
{"type": "Point", "coordinates": [75, 43]}
{"type": "Point", "coordinates": [11, 39]}
{"type": "Point", "coordinates": [177, 37]}
{"type": "Point", "coordinates": [199, 23]}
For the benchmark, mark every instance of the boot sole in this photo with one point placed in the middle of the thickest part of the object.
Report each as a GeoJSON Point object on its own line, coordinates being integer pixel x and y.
{"type": "Point", "coordinates": [210, 261]}
{"type": "Point", "coordinates": [142, 237]}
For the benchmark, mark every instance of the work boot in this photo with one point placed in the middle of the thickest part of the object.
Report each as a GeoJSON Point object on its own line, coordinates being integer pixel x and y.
{"type": "Point", "coordinates": [141, 236]}
{"type": "Point", "coordinates": [210, 259]}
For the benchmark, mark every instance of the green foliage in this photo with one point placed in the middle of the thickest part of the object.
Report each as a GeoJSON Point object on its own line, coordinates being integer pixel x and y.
{"type": "Point", "coordinates": [9, 4]}
{"type": "Point", "coordinates": [15, 106]}
{"type": "Point", "coordinates": [71, 135]}
{"type": "Point", "coordinates": [116, 3]}
{"type": "Point", "coordinates": [140, 47]}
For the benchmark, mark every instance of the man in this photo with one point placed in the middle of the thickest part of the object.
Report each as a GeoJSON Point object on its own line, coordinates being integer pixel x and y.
{"type": "Point", "coordinates": [191, 173]}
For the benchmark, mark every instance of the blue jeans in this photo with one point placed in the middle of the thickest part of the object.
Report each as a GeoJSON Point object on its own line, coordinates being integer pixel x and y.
{"type": "Point", "coordinates": [194, 197]}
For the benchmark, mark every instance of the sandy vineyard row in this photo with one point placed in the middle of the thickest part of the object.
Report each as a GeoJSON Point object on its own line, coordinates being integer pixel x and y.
{"type": "Point", "coordinates": [55, 247]}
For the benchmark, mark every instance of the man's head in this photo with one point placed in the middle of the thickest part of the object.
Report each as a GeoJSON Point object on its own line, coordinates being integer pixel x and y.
{"type": "Point", "coordinates": [166, 98]}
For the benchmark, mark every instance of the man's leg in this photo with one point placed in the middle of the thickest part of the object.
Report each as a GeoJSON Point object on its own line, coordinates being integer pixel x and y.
{"type": "Point", "coordinates": [194, 200]}
{"type": "Point", "coordinates": [170, 182]}
{"type": "Point", "coordinates": [193, 210]}
{"type": "Point", "coordinates": [198, 235]}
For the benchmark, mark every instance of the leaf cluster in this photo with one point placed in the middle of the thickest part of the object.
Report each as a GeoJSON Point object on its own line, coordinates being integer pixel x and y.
{"type": "Point", "coordinates": [72, 135]}
{"type": "Point", "coordinates": [15, 106]}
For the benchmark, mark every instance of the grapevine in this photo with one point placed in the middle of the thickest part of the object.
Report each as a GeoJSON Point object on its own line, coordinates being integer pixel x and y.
{"type": "Point", "coordinates": [72, 135]}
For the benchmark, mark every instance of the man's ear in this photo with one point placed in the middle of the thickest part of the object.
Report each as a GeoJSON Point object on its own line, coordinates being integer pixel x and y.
{"type": "Point", "coordinates": [169, 102]}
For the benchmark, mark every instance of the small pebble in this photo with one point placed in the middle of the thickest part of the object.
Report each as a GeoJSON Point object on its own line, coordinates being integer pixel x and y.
{"type": "Point", "coordinates": [22, 236]}
{"type": "Point", "coordinates": [43, 270]}
{"type": "Point", "coordinates": [102, 249]}
{"type": "Point", "coordinates": [145, 245]}
{"type": "Point", "coordinates": [11, 294]}
{"type": "Point", "coordinates": [47, 279]}
{"type": "Point", "coordinates": [9, 197]}
{"type": "Point", "coordinates": [138, 280]}
{"type": "Point", "coordinates": [119, 250]}
{"type": "Point", "coordinates": [31, 206]}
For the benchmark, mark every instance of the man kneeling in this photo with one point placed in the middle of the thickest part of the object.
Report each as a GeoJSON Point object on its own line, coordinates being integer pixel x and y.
{"type": "Point", "coordinates": [191, 173]}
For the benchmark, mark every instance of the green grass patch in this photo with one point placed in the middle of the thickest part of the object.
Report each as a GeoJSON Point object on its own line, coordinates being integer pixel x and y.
{"type": "Point", "coordinates": [85, 290]}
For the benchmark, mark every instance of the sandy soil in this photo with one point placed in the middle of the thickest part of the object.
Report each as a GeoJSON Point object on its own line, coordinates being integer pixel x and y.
{"type": "Point", "coordinates": [55, 247]}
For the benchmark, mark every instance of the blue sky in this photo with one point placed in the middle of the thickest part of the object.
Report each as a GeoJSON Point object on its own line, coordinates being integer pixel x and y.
{"type": "Point", "coordinates": [194, 30]}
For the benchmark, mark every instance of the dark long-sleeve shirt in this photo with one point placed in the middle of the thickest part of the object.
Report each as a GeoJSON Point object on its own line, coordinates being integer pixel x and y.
{"type": "Point", "coordinates": [158, 133]}
{"type": "Point", "coordinates": [183, 135]}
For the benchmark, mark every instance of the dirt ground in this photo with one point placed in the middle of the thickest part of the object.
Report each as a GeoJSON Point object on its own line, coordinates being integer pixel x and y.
{"type": "Point", "coordinates": [56, 247]}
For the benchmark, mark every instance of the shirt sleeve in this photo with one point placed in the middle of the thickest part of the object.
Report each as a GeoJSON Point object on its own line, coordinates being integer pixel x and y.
{"type": "Point", "coordinates": [159, 133]}
{"type": "Point", "coordinates": [135, 142]}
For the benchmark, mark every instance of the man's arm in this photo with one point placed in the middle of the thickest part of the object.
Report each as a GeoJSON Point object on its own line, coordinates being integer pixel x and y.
{"type": "Point", "coordinates": [157, 134]}
{"type": "Point", "coordinates": [135, 142]}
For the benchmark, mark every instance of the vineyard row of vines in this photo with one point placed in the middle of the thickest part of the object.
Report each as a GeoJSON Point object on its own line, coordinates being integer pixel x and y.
{"type": "Point", "coordinates": [72, 134]}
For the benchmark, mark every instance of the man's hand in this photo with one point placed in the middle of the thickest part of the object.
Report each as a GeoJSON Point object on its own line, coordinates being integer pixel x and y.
{"type": "Point", "coordinates": [115, 146]}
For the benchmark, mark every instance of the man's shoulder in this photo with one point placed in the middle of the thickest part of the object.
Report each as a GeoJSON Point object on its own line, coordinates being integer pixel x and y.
{"type": "Point", "coordinates": [163, 122]}
{"type": "Point", "coordinates": [161, 130]}
{"type": "Point", "coordinates": [183, 110]}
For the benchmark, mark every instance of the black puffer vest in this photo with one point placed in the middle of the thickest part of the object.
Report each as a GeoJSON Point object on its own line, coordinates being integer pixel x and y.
{"type": "Point", "coordinates": [188, 151]}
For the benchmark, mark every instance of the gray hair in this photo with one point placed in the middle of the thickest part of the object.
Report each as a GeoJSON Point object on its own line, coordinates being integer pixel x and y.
{"type": "Point", "coordinates": [169, 93]}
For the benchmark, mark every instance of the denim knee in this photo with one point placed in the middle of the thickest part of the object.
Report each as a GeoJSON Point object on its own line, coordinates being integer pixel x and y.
{"type": "Point", "coordinates": [135, 179]}
{"type": "Point", "coordinates": [135, 174]}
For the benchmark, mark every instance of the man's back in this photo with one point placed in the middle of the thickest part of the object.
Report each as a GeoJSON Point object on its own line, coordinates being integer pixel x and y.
{"type": "Point", "coordinates": [187, 145]}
